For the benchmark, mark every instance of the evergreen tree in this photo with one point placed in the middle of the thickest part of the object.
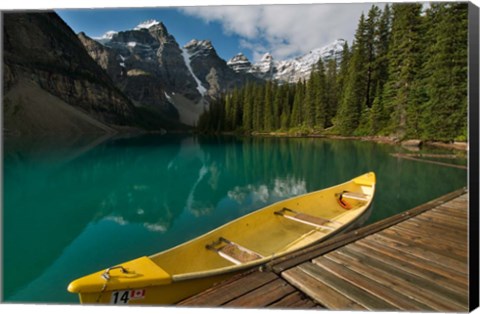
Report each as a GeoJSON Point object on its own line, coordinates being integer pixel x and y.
{"type": "Point", "coordinates": [343, 71]}
{"type": "Point", "coordinates": [403, 68]}
{"type": "Point", "coordinates": [371, 38]}
{"type": "Point", "coordinates": [236, 113]}
{"type": "Point", "coordinates": [247, 118]}
{"type": "Point", "coordinates": [278, 92]}
{"type": "Point", "coordinates": [227, 120]}
{"type": "Point", "coordinates": [382, 47]}
{"type": "Point", "coordinates": [446, 71]}
{"type": "Point", "coordinates": [268, 110]}
{"type": "Point", "coordinates": [258, 110]}
{"type": "Point", "coordinates": [331, 92]}
{"type": "Point", "coordinates": [354, 89]}
{"type": "Point", "coordinates": [296, 117]}
{"type": "Point", "coordinates": [309, 110]}
{"type": "Point", "coordinates": [320, 95]}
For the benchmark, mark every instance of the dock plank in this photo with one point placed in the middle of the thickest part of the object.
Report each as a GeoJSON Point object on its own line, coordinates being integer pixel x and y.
{"type": "Point", "coordinates": [295, 300]}
{"type": "Point", "coordinates": [460, 242]}
{"type": "Point", "coordinates": [426, 254]}
{"type": "Point", "coordinates": [437, 272]}
{"type": "Point", "coordinates": [453, 209]}
{"type": "Point", "coordinates": [317, 290]}
{"type": "Point", "coordinates": [455, 234]}
{"type": "Point", "coordinates": [367, 284]}
{"type": "Point", "coordinates": [268, 294]}
{"type": "Point", "coordinates": [360, 296]}
{"type": "Point", "coordinates": [461, 218]}
{"type": "Point", "coordinates": [417, 302]}
{"type": "Point", "coordinates": [424, 243]}
{"type": "Point", "coordinates": [444, 223]}
{"type": "Point", "coordinates": [427, 237]}
{"type": "Point", "coordinates": [405, 272]}
{"type": "Point", "coordinates": [413, 272]}
{"type": "Point", "coordinates": [432, 298]}
{"type": "Point", "coordinates": [231, 290]}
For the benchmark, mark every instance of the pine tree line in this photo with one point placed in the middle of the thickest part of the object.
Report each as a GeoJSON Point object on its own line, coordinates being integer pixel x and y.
{"type": "Point", "coordinates": [405, 75]}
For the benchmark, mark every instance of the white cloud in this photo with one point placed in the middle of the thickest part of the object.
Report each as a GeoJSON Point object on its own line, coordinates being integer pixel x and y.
{"type": "Point", "coordinates": [285, 30]}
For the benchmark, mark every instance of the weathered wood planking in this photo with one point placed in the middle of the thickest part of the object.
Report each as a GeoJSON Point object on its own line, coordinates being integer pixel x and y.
{"type": "Point", "coordinates": [418, 264]}
{"type": "Point", "coordinates": [317, 290]}
{"type": "Point", "coordinates": [295, 300]}
{"type": "Point", "coordinates": [231, 289]}
{"type": "Point", "coordinates": [414, 261]}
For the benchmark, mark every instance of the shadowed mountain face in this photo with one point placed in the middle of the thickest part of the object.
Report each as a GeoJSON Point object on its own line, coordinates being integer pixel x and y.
{"type": "Point", "coordinates": [52, 85]}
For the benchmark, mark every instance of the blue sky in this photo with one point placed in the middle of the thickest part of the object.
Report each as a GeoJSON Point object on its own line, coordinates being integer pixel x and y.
{"type": "Point", "coordinates": [285, 31]}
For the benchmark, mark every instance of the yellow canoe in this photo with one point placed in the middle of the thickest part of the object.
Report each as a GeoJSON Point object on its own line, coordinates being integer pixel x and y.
{"type": "Point", "coordinates": [249, 241]}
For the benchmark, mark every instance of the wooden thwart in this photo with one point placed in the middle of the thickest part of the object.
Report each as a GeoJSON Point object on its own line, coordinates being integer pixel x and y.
{"type": "Point", "coordinates": [233, 252]}
{"type": "Point", "coordinates": [314, 221]}
{"type": "Point", "coordinates": [355, 196]}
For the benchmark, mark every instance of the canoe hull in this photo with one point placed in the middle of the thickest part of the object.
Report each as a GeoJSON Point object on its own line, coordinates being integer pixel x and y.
{"type": "Point", "coordinates": [161, 294]}
{"type": "Point", "coordinates": [274, 231]}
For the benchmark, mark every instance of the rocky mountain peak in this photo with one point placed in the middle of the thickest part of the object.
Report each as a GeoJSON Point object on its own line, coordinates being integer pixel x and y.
{"type": "Point", "coordinates": [265, 68]}
{"type": "Point", "coordinates": [198, 48]}
{"type": "Point", "coordinates": [239, 63]}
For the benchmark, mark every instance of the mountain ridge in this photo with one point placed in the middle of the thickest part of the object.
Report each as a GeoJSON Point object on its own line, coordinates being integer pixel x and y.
{"type": "Point", "coordinates": [288, 70]}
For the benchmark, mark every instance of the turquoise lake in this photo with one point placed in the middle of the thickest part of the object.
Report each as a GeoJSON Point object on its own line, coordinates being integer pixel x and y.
{"type": "Point", "coordinates": [75, 206]}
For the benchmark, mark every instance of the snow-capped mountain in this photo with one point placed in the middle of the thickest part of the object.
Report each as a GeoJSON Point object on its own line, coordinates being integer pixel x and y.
{"type": "Point", "coordinates": [239, 63]}
{"type": "Point", "coordinates": [151, 68]}
{"type": "Point", "coordinates": [290, 70]}
{"type": "Point", "coordinates": [264, 69]}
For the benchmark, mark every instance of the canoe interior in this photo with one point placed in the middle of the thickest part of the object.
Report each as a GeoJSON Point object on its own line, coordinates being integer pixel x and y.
{"type": "Point", "coordinates": [269, 234]}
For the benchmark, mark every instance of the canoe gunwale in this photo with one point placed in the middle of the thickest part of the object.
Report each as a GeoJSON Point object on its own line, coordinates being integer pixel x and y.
{"type": "Point", "coordinates": [267, 259]}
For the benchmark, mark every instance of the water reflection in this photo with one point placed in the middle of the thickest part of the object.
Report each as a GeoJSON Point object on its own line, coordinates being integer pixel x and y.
{"type": "Point", "coordinates": [82, 205]}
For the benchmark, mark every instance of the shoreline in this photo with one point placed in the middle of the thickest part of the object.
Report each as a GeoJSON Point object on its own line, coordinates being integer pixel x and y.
{"type": "Point", "coordinates": [412, 143]}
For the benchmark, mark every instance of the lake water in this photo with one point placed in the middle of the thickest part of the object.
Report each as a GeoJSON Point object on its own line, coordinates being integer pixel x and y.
{"type": "Point", "coordinates": [75, 206]}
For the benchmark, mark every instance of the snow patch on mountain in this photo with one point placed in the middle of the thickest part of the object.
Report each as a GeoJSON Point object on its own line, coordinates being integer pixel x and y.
{"type": "Point", "coordinates": [186, 57]}
{"type": "Point", "coordinates": [105, 37]}
{"type": "Point", "coordinates": [147, 24]}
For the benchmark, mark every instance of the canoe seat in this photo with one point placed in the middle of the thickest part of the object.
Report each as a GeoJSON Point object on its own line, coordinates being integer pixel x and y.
{"type": "Point", "coordinates": [315, 221]}
{"type": "Point", "coordinates": [355, 196]}
{"type": "Point", "coordinates": [232, 251]}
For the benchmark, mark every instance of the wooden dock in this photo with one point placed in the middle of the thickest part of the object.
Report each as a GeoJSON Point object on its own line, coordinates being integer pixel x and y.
{"type": "Point", "coordinates": [413, 261]}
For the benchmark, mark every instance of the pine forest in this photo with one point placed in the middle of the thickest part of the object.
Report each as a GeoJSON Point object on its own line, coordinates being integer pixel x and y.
{"type": "Point", "coordinates": [404, 75]}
